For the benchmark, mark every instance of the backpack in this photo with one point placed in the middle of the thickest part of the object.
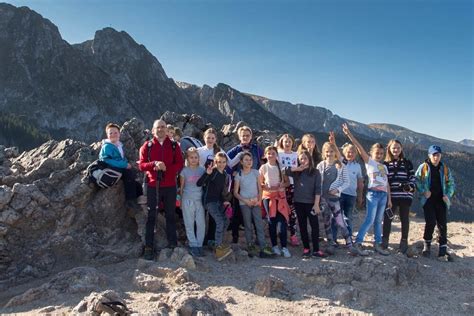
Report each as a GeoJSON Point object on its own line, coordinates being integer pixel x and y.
{"type": "Point", "coordinates": [101, 175]}
{"type": "Point", "coordinates": [187, 142]}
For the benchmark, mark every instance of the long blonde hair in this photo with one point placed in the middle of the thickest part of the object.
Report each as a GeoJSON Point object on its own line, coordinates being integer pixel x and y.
{"type": "Point", "coordinates": [316, 154]}
{"type": "Point", "coordinates": [328, 145]}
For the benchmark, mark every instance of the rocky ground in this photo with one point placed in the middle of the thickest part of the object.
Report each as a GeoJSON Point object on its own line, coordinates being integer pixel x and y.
{"type": "Point", "coordinates": [341, 284]}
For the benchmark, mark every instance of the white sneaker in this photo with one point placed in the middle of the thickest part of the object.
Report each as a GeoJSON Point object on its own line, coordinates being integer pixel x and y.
{"type": "Point", "coordinates": [276, 250]}
{"type": "Point", "coordinates": [286, 252]}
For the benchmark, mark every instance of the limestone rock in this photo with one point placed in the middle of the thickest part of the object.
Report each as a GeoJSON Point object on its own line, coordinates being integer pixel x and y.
{"type": "Point", "coordinates": [187, 262]}
{"type": "Point", "coordinates": [268, 286]}
{"type": "Point", "coordinates": [343, 293]}
{"type": "Point", "coordinates": [93, 304]}
{"type": "Point", "coordinates": [146, 282]}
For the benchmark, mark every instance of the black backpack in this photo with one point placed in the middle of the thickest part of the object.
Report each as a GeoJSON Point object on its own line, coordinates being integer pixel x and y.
{"type": "Point", "coordinates": [101, 175]}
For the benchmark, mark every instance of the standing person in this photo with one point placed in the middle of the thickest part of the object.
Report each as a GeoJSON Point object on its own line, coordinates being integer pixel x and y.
{"type": "Point", "coordinates": [378, 194]}
{"type": "Point", "coordinates": [334, 180]}
{"type": "Point", "coordinates": [112, 154]}
{"type": "Point", "coordinates": [353, 193]}
{"type": "Point", "coordinates": [206, 156]}
{"type": "Point", "coordinates": [273, 183]}
{"type": "Point", "coordinates": [245, 137]}
{"type": "Point", "coordinates": [307, 180]}
{"type": "Point", "coordinates": [216, 198]}
{"type": "Point", "coordinates": [308, 142]}
{"type": "Point", "coordinates": [289, 158]}
{"type": "Point", "coordinates": [401, 178]}
{"type": "Point", "coordinates": [191, 204]}
{"type": "Point", "coordinates": [161, 159]}
{"type": "Point", "coordinates": [435, 183]}
{"type": "Point", "coordinates": [248, 191]}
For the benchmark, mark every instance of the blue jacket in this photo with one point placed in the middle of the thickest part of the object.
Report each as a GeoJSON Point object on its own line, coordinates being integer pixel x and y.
{"type": "Point", "coordinates": [423, 181]}
{"type": "Point", "coordinates": [255, 150]}
{"type": "Point", "coordinates": [110, 154]}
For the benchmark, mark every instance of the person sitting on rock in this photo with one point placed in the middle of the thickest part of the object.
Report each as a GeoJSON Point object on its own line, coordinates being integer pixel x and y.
{"type": "Point", "coordinates": [216, 198]}
{"type": "Point", "coordinates": [112, 154]}
{"type": "Point", "coordinates": [435, 183]}
{"type": "Point", "coordinates": [162, 160]}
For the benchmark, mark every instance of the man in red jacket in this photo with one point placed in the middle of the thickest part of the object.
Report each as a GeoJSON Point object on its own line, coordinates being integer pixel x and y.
{"type": "Point", "coordinates": [161, 159]}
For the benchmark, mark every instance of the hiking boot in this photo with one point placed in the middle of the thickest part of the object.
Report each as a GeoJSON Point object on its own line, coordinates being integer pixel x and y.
{"type": "Point", "coordinates": [384, 244]}
{"type": "Point", "coordinates": [403, 246]}
{"type": "Point", "coordinates": [266, 252]}
{"type": "Point", "coordinates": [319, 254]}
{"type": "Point", "coordinates": [222, 252]}
{"type": "Point", "coordinates": [442, 250]}
{"type": "Point", "coordinates": [357, 248]}
{"type": "Point", "coordinates": [306, 253]}
{"type": "Point", "coordinates": [286, 253]}
{"type": "Point", "coordinates": [352, 250]}
{"type": "Point", "coordinates": [276, 250]}
{"type": "Point", "coordinates": [378, 248]}
{"type": "Point", "coordinates": [426, 249]}
{"type": "Point", "coordinates": [148, 254]}
{"type": "Point", "coordinates": [211, 244]}
{"type": "Point", "coordinates": [294, 241]}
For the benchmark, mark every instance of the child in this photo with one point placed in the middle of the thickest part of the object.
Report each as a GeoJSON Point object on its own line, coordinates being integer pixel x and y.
{"type": "Point", "coordinates": [308, 142]}
{"type": "Point", "coordinates": [307, 182]}
{"type": "Point", "coordinates": [335, 179]}
{"type": "Point", "coordinates": [289, 158]}
{"type": "Point", "coordinates": [112, 154]}
{"type": "Point", "coordinates": [378, 194]}
{"type": "Point", "coordinates": [401, 178]}
{"type": "Point", "coordinates": [191, 204]}
{"type": "Point", "coordinates": [435, 183]}
{"type": "Point", "coordinates": [274, 200]}
{"type": "Point", "coordinates": [249, 194]}
{"type": "Point", "coordinates": [178, 134]}
{"type": "Point", "coordinates": [170, 131]}
{"type": "Point", "coordinates": [353, 192]}
{"type": "Point", "coordinates": [216, 199]}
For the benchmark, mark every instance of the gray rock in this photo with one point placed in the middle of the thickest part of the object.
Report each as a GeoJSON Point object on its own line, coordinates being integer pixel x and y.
{"type": "Point", "coordinates": [146, 282]}
{"type": "Point", "coordinates": [6, 195]}
{"type": "Point", "coordinates": [165, 255]}
{"type": "Point", "coordinates": [178, 254]}
{"type": "Point", "coordinates": [268, 286]}
{"type": "Point", "coordinates": [92, 304]}
{"type": "Point", "coordinates": [187, 262]}
{"type": "Point", "coordinates": [343, 293]}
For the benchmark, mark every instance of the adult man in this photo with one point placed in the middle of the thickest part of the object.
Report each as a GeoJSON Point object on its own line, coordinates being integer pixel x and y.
{"type": "Point", "coordinates": [245, 137]}
{"type": "Point", "coordinates": [161, 159]}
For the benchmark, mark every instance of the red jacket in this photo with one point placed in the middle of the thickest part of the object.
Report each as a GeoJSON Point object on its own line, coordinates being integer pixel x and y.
{"type": "Point", "coordinates": [161, 153]}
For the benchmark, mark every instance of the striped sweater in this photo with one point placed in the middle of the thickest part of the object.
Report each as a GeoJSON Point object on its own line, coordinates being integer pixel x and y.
{"type": "Point", "coordinates": [401, 172]}
{"type": "Point", "coordinates": [342, 181]}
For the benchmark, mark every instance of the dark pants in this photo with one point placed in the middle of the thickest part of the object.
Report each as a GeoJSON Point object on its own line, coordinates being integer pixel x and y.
{"type": "Point", "coordinates": [211, 230]}
{"type": "Point", "coordinates": [132, 188]}
{"type": "Point", "coordinates": [403, 207]}
{"type": "Point", "coordinates": [272, 227]}
{"type": "Point", "coordinates": [168, 196]}
{"type": "Point", "coordinates": [435, 214]}
{"type": "Point", "coordinates": [347, 203]}
{"type": "Point", "coordinates": [303, 211]}
{"type": "Point", "coordinates": [237, 220]}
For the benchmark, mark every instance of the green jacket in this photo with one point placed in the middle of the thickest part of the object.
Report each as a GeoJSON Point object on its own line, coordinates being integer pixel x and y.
{"type": "Point", "coordinates": [423, 181]}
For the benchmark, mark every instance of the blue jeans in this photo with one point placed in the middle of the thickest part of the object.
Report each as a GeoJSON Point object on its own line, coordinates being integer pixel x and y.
{"type": "Point", "coordinates": [216, 210]}
{"type": "Point", "coordinates": [376, 203]}
{"type": "Point", "coordinates": [347, 203]}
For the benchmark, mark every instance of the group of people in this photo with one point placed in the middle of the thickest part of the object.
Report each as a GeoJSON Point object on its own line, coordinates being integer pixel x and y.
{"type": "Point", "coordinates": [284, 188]}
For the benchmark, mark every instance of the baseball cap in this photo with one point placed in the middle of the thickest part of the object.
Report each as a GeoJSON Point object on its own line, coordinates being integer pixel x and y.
{"type": "Point", "coordinates": [434, 149]}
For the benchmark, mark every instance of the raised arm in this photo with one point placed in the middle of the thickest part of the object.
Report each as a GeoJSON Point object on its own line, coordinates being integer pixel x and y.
{"type": "Point", "coordinates": [363, 154]}
{"type": "Point", "coordinates": [332, 140]}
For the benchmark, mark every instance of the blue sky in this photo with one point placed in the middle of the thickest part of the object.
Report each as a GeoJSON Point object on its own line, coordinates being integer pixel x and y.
{"type": "Point", "coordinates": [408, 63]}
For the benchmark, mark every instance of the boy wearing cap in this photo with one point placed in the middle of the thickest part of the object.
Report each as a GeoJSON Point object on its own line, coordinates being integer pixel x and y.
{"type": "Point", "coordinates": [436, 186]}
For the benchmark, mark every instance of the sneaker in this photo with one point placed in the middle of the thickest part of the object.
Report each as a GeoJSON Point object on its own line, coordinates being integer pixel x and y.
{"type": "Point", "coordinates": [222, 252]}
{"type": "Point", "coordinates": [193, 251]}
{"type": "Point", "coordinates": [403, 246]}
{"type": "Point", "coordinates": [306, 253]}
{"type": "Point", "coordinates": [286, 253]}
{"type": "Point", "coordinates": [148, 254]}
{"type": "Point", "coordinates": [211, 244]}
{"type": "Point", "coordinates": [276, 250]}
{"type": "Point", "coordinates": [426, 249]}
{"type": "Point", "coordinates": [319, 254]}
{"type": "Point", "coordinates": [442, 251]}
{"type": "Point", "coordinates": [330, 249]}
{"type": "Point", "coordinates": [378, 248]}
{"type": "Point", "coordinates": [294, 241]}
{"type": "Point", "coordinates": [352, 250]}
{"type": "Point", "coordinates": [357, 248]}
{"type": "Point", "coordinates": [267, 252]}
{"type": "Point", "coordinates": [142, 200]}
{"type": "Point", "coordinates": [200, 252]}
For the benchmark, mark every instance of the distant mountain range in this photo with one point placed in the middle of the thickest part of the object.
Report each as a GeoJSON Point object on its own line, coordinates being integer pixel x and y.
{"type": "Point", "coordinates": [467, 142]}
{"type": "Point", "coordinates": [52, 89]}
